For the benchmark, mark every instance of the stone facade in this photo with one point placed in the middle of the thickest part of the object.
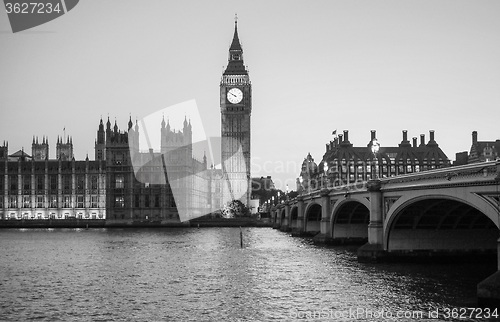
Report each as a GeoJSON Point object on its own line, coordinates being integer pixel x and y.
{"type": "Point", "coordinates": [39, 188]}
{"type": "Point", "coordinates": [236, 107]}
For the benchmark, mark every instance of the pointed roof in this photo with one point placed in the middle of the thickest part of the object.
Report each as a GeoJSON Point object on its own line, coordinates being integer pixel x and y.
{"type": "Point", "coordinates": [235, 45]}
{"type": "Point", "coordinates": [235, 65]}
{"type": "Point", "coordinates": [19, 154]}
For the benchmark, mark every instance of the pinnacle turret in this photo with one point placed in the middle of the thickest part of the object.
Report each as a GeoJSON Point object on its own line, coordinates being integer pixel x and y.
{"type": "Point", "coordinates": [130, 124]}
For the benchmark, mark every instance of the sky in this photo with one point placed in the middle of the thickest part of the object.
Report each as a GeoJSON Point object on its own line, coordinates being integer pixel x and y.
{"type": "Point", "coordinates": [315, 67]}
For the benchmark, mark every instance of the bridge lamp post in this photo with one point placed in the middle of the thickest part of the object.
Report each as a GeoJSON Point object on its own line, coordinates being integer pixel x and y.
{"type": "Point", "coordinates": [325, 172]}
{"type": "Point", "coordinates": [375, 149]}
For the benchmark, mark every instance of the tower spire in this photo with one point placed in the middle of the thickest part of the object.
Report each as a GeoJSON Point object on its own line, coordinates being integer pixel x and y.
{"type": "Point", "coordinates": [235, 45]}
{"type": "Point", "coordinates": [235, 64]}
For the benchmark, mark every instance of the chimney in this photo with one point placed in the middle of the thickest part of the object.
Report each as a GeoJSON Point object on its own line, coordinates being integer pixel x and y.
{"type": "Point", "coordinates": [474, 137]}
{"type": "Point", "coordinates": [432, 142]}
{"type": "Point", "coordinates": [346, 136]}
{"type": "Point", "coordinates": [405, 135]}
{"type": "Point", "coordinates": [422, 139]}
{"type": "Point", "coordinates": [373, 135]}
{"type": "Point", "coordinates": [340, 138]}
{"type": "Point", "coordinates": [414, 142]}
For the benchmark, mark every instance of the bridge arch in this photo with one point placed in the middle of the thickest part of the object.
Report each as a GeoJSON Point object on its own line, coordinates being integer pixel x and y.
{"type": "Point", "coordinates": [312, 218]}
{"type": "Point", "coordinates": [349, 219]}
{"type": "Point", "coordinates": [441, 222]}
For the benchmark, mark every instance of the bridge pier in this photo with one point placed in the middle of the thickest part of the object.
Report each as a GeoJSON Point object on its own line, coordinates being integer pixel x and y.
{"type": "Point", "coordinates": [276, 217]}
{"type": "Point", "coordinates": [287, 223]}
{"type": "Point", "coordinates": [325, 236]}
{"type": "Point", "coordinates": [299, 229]}
{"type": "Point", "coordinates": [488, 291]}
{"type": "Point", "coordinates": [374, 250]}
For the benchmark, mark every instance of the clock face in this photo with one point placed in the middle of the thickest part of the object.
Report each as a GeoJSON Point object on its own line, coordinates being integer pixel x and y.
{"type": "Point", "coordinates": [234, 95]}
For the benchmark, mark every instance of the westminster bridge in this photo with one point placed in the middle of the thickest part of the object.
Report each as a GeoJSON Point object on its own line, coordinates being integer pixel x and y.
{"type": "Point", "coordinates": [437, 212]}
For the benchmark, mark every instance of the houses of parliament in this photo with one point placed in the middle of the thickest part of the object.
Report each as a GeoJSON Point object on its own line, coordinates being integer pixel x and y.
{"type": "Point", "coordinates": [125, 184]}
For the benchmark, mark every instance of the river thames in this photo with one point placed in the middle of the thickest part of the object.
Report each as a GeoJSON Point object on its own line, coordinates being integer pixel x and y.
{"type": "Point", "coordinates": [189, 274]}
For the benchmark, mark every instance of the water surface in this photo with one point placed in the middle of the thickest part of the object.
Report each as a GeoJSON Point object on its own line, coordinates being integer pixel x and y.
{"type": "Point", "coordinates": [189, 274]}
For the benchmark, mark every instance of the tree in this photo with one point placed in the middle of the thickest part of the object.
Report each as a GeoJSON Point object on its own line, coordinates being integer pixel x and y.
{"type": "Point", "coordinates": [234, 209]}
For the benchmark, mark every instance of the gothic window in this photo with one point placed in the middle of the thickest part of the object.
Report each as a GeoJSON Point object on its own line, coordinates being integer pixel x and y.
{"type": "Point", "coordinates": [27, 183]}
{"type": "Point", "coordinates": [118, 159]}
{"type": "Point", "coordinates": [119, 202]}
{"type": "Point", "coordinates": [157, 201]}
{"type": "Point", "coordinates": [40, 182]}
{"type": "Point", "coordinates": [13, 202]}
{"type": "Point", "coordinates": [80, 182]}
{"type": "Point", "coordinates": [93, 201]}
{"type": "Point", "coordinates": [93, 182]}
{"type": "Point", "coordinates": [67, 182]}
{"type": "Point", "coordinates": [53, 202]}
{"type": "Point", "coordinates": [67, 202]}
{"type": "Point", "coordinates": [119, 182]}
{"type": "Point", "coordinates": [79, 202]}
{"type": "Point", "coordinates": [39, 201]}
{"type": "Point", "coordinates": [146, 201]}
{"type": "Point", "coordinates": [53, 182]}
{"type": "Point", "coordinates": [137, 201]}
{"type": "Point", "coordinates": [26, 202]}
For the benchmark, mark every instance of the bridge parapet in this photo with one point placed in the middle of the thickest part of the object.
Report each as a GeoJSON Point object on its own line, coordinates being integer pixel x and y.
{"type": "Point", "coordinates": [471, 174]}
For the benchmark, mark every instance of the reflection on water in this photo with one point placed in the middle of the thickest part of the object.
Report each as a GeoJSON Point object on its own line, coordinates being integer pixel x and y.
{"type": "Point", "coordinates": [191, 274]}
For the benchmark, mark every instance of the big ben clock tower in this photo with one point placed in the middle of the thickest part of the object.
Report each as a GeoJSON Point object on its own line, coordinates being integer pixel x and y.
{"type": "Point", "coordinates": [236, 107]}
